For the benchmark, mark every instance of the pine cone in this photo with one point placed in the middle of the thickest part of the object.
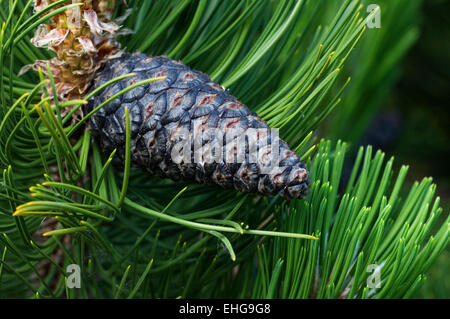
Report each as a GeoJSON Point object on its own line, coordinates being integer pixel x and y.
{"type": "Point", "coordinates": [187, 100]}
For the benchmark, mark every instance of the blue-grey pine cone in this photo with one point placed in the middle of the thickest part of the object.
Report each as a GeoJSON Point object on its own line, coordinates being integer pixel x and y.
{"type": "Point", "coordinates": [158, 109]}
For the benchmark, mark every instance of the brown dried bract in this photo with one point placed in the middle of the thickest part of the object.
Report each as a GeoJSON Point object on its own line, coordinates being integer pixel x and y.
{"type": "Point", "coordinates": [83, 38]}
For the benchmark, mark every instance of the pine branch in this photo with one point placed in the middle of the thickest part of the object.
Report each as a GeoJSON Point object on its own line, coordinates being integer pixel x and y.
{"type": "Point", "coordinates": [139, 236]}
{"type": "Point", "coordinates": [365, 226]}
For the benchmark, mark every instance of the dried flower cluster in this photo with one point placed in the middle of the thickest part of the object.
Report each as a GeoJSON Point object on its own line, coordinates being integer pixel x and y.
{"type": "Point", "coordinates": [83, 38]}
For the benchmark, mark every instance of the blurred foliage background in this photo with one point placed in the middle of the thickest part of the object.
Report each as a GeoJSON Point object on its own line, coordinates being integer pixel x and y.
{"type": "Point", "coordinates": [421, 120]}
{"type": "Point", "coordinates": [407, 99]}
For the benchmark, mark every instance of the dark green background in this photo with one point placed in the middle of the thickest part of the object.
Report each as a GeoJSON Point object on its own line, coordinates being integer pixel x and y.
{"type": "Point", "coordinates": [414, 123]}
